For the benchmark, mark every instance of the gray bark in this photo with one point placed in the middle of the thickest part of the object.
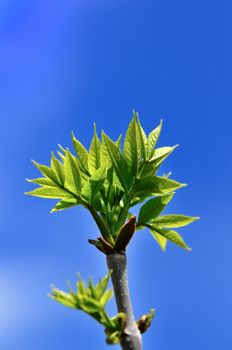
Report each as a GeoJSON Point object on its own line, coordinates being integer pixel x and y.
{"type": "Point", "coordinates": [131, 339]}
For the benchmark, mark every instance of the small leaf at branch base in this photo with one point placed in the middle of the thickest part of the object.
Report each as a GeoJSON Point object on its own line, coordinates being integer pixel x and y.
{"type": "Point", "coordinates": [145, 321]}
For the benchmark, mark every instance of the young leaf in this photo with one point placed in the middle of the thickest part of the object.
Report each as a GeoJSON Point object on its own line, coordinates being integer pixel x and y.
{"type": "Point", "coordinates": [94, 160]}
{"type": "Point", "coordinates": [173, 220]}
{"type": "Point", "coordinates": [89, 305]}
{"type": "Point", "coordinates": [152, 208]}
{"type": "Point", "coordinates": [160, 154]}
{"type": "Point", "coordinates": [63, 298]}
{"type": "Point", "coordinates": [132, 147]}
{"type": "Point", "coordinates": [57, 167]}
{"type": "Point", "coordinates": [49, 192]}
{"type": "Point", "coordinates": [152, 139]}
{"type": "Point", "coordinates": [161, 240]}
{"type": "Point", "coordinates": [155, 185]}
{"type": "Point", "coordinates": [106, 297]}
{"type": "Point", "coordinates": [102, 285]}
{"type": "Point", "coordinates": [112, 152]}
{"type": "Point", "coordinates": [94, 184]}
{"type": "Point", "coordinates": [142, 138]}
{"type": "Point", "coordinates": [72, 174]}
{"type": "Point", "coordinates": [145, 321]}
{"type": "Point", "coordinates": [81, 288]}
{"type": "Point", "coordinates": [43, 181]}
{"type": "Point", "coordinates": [82, 153]}
{"type": "Point", "coordinates": [47, 172]}
{"type": "Point", "coordinates": [170, 235]}
{"type": "Point", "coordinates": [65, 204]}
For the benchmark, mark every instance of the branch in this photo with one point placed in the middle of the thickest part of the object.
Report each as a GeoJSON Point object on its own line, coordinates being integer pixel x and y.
{"type": "Point", "coordinates": [131, 338]}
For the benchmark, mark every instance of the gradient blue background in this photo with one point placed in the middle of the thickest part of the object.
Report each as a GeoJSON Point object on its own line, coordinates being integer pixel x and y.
{"type": "Point", "coordinates": [65, 64]}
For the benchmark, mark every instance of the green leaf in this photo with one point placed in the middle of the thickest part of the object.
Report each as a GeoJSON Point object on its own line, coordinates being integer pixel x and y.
{"type": "Point", "coordinates": [63, 298]}
{"type": "Point", "coordinates": [47, 172]}
{"type": "Point", "coordinates": [43, 181]}
{"type": "Point", "coordinates": [82, 153]}
{"type": "Point", "coordinates": [173, 220]}
{"type": "Point", "coordinates": [106, 297]}
{"type": "Point", "coordinates": [49, 192]}
{"type": "Point", "coordinates": [102, 285]}
{"type": "Point", "coordinates": [118, 142]}
{"type": "Point", "coordinates": [155, 185]}
{"type": "Point", "coordinates": [81, 289]}
{"type": "Point", "coordinates": [160, 154]}
{"type": "Point", "coordinates": [113, 154]}
{"type": "Point", "coordinates": [94, 184]}
{"type": "Point", "coordinates": [143, 139]}
{"type": "Point", "coordinates": [65, 204]}
{"type": "Point", "coordinates": [89, 305]}
{"type": "Point", "coordinates": [94, 160]}
{"type": "Point", "coordinates": [170, 235]}
{"type": "Point", "coordinates": [132, 151]}
{"type": "Point", "coordinates": [152, 139]}
{"type": "Point", "coordinates": [57, 167]}
{"type": "Point", "coordinates": [72, 174]}
{"type": "Point", "coordinates": [161, 240]}
{"type": "Point", "coordinates": [152, 208]}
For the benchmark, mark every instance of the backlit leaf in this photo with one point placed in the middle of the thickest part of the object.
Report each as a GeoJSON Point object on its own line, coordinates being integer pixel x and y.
{"type": "Point", "coordinates": [161, 240]}
{"type": "Point", "coordinates": [117, 160]}
{"type": "Point", "coordinates": [170, 235]}
{"type": "Point", "coordinates": [65, 204]}
{"type": "Point", "coordinates": [106, 297]}
{"type": "Point", "coordinates": [81, 152]}
{"type": "Point", "coordinates": [102, 285]}
{"type": "Point", "coordinates": [47, 172]}
{"type": "Point", "coordinates": [173, 220]}
{"type": "Point", "coordinates": [49, 192]}
{"type": "Point", "coordinates": [72, 174]}
{"type": "Point", "coordinates": [43, 181]}
{"type": "Point", "coordinates": [94, 184]}
{"type": "Point", "coordinates": [155, 185]}
{"type": "Point", "coordinates": [94, 161]}
{"type": "Point", "coordinates": [152, 139]}
{"type": "Point", "coordinates": [160, 154]}
{"type": "Point", "coordinates": [152, 208]}
{"type": "Point", "coordinates": [131, 148]}
{"type": "Point", "coordinates": [57, 167]}
{"type": "Point", "coordinates": [143, 139]}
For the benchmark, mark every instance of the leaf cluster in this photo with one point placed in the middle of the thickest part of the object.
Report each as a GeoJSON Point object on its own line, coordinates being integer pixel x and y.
{"type": "Point", "coordinates": [110, 178]}
{"type": "Point", "coordinates": [92, 299]}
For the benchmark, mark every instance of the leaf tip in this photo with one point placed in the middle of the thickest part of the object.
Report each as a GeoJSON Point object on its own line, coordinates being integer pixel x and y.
{"type": "Point", "coordinates": [183, 185]}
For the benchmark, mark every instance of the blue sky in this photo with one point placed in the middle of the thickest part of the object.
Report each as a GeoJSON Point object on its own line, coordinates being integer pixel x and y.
{"type": "Point", "coordinates": [65, 65]}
